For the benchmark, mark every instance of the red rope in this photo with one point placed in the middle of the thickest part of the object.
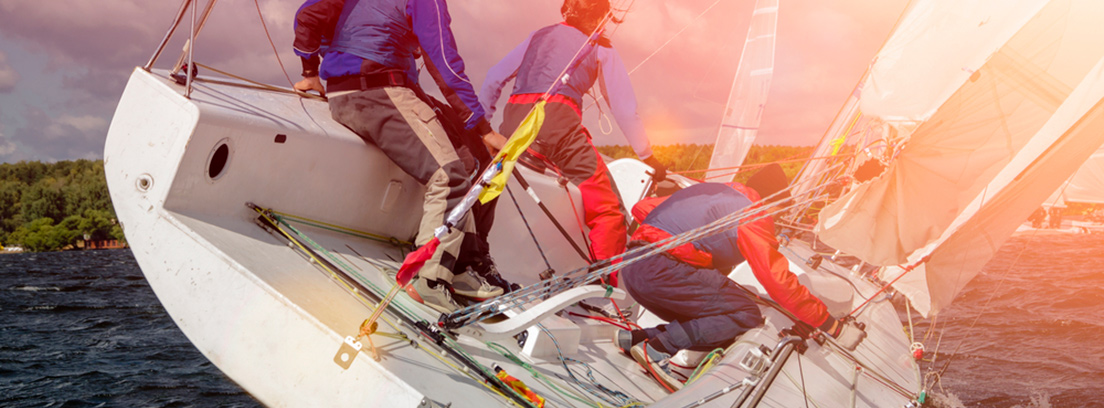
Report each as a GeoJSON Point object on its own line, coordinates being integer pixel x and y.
{"type": "Point", "coordinates": [601, 319]}
{"type": "Point", "coordinates": [907, 269]}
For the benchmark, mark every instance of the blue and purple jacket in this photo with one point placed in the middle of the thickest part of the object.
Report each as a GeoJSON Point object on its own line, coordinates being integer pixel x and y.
{"type": "Point", "coordinates": [753, 241]}
{"type": "Point", "coordinates": [538, 61]}
{"type": "Point", "coordinates": [365, 37]}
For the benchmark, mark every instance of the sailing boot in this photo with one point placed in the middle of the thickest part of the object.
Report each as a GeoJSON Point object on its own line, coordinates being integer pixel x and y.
{"type": "Point", "coordinates": [486, 268]}
{"type": "Point", "coordinates": [626, 339]}
{"type": "Point", "coordinates": [437, 298]}
{"type": "Point", "coordinates": [472, 285]}
{"type": "Point", "coordinates": [657, 363]}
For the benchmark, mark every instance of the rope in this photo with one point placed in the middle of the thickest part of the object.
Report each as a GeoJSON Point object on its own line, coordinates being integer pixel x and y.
{"type": "Point", "coordinates": [657, 50]}
{"type": "Point", "coordinates": [616, 398]}
{"type": "Point", "coordinates": [252, 84]}
{"type": "Point", "coordinates": [487, 379]}
{"type": "Point", "coordinates": [527, 228]}
{"type": "Point", "coordinates": [274, 52]}
{"type": "Point", "coordinates": [906, 270]}
{"type": "Point", "coordinates": [341, 229]}
{"type": "Point", "coordinates": [551, 217]}
{"type": "Point", "coordinates": [599, 270]}
{"type": "Point", "coordinates": [705, 365]}
{"type": "Point", "coordinates": [985, 307]}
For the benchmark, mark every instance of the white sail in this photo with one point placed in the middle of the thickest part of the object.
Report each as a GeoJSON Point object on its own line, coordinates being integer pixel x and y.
{"type": "Point", "coordinates": [1055, 152]}
{"type": "Point", "coordinates": [748, 95]}
{"type": "Point", "coordinates": [935, 48]}
{"type": "Point", "coordinates": [951, 158]}
{"type": "Point", "coordinates": [1087, 185]}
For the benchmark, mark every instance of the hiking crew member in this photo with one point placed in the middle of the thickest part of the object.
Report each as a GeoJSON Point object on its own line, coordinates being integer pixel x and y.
{"type": "Point", "coordinates": [535, 64]}
{"type": "Point", "coordinates": [686, 286]}
{"type": "Point", "coordinates": [368, 51]}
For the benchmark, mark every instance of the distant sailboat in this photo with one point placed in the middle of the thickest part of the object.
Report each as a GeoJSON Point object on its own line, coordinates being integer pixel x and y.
{"type": "Point", "coordinates": [748, 95]}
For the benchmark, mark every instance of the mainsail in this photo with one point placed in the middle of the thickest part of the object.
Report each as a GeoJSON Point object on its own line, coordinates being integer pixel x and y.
{"type": "Point", "coordinates": [936, 197]}
{"type": "Point", "coordinates": [748, 96]}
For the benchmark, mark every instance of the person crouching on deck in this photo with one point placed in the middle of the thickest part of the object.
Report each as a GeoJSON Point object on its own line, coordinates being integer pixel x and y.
{"type": "Point", "coordinates": [539, 61]}
{"type": "Point", "coordinates": [368, 51]}
{"type": "Point", "coordinates": [688, 287]}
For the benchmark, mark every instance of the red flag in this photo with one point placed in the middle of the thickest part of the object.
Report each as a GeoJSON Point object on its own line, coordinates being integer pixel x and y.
{"type": "Point", "coordinates": [414, 261]}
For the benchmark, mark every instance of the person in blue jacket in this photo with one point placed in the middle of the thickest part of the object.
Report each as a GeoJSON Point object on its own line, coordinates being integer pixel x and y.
{"type": "Point", "coordinates": [366, 51]}
{"type": "Point", "coordinates": [688, 285]}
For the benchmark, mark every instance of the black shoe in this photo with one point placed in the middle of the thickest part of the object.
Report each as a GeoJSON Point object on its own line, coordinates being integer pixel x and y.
{"type": "Point", "coordinates": [489, 272]}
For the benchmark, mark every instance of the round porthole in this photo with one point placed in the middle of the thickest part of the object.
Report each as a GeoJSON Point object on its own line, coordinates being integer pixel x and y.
{"type": "Point", "coordinates": [218, 160]}
{"type": "Point", "coordinates": [144, 182]}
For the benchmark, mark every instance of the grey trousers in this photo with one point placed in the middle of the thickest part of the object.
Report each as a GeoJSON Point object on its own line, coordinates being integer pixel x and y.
{"type": "Point", "coordinates": [406, 129]}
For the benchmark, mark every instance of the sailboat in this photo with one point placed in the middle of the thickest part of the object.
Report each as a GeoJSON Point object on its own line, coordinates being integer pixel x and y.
{"type": "Point", "coordinates": [271, 234]}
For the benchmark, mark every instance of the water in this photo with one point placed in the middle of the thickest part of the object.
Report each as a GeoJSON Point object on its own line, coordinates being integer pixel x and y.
{"type": "Point", "coordinates": [84, 329]}
{"type": "Point", "coordinates": [1040, 339]}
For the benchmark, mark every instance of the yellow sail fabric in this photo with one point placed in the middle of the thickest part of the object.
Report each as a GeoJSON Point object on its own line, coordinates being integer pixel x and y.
{"type": "Point", "coordinates": [521, 139]}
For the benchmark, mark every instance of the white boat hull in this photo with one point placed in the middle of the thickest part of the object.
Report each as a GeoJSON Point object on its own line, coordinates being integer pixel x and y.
{"type": "Point", "coordinates": [273, 321]}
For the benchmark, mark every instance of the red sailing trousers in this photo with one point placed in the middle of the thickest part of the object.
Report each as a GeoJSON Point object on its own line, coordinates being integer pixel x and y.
{"type": "Point", "coordinates": [566, 143]}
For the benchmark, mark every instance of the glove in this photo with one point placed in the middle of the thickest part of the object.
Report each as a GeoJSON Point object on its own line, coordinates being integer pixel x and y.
{"type": "Point", "coordinates": [849, 335]}
{"type": "Point", "coordinates": [660, 173]}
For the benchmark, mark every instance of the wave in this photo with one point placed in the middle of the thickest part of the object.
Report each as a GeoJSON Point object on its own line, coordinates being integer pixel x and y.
{"type": "Point", "coordinates": [35, 289]}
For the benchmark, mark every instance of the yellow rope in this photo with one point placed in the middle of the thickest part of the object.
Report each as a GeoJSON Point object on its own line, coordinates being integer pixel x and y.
{"type": "Point", "coordinates": [342, 228]}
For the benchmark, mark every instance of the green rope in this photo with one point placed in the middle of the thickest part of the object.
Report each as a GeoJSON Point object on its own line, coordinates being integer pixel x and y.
{"type": "Point", "coordinates": [342, 230]}
{"type": "Point", "coordinates": [448, 341]}
{"type": "Point", "coordinates": [348, 269]}
{"type": "Point", "coordinates": [706, 362]}
{"type": "Point", "coordinates": [536, 374]}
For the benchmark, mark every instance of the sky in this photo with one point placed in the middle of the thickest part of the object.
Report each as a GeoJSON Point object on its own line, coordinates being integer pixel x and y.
{"type": "Point", "coordinates": [63, 65]}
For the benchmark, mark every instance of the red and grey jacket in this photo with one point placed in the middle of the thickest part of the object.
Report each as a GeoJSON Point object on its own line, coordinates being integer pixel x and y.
{"type": "Point", "coordinates": [701, 204]}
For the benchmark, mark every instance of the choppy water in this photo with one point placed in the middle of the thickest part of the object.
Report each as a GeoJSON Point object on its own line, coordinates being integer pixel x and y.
{"type": "Point", "coordinates": [84, 329]}
{"type": "Point", "coordinates": [1040, 339]}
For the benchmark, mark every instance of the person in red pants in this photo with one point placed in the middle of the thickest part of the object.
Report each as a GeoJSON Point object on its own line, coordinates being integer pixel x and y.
{"type": "Point", "coordinates": [534, 65]}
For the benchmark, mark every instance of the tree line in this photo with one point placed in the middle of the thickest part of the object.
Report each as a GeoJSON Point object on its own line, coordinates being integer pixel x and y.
{"type": "Point", "coordinates": [50, 206]}
{"type": "Point", "coordinates": [691, 160]}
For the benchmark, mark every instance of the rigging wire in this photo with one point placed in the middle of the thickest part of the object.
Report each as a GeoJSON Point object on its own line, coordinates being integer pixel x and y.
{"type": "Point", "coordinates": [600, 269]}
{"type": "Point", "coordinates": [661, 47]}
{"type": "Point", "coordinates": [274, 52]}
{"type": "Point", "coordinates": [985, 307]}
{"type": "Point", "coordinates": [527, 228]}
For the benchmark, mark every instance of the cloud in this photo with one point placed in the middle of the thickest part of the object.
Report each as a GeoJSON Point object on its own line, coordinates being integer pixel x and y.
{"type": "Point", "coordinates": [64, 137]}
{"type": "Point", "coordinates": [6, 147]}
{"type": "Point", "coordinates": [8, 76]}
{"type": "Point", "coordinates": [823, 47]}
